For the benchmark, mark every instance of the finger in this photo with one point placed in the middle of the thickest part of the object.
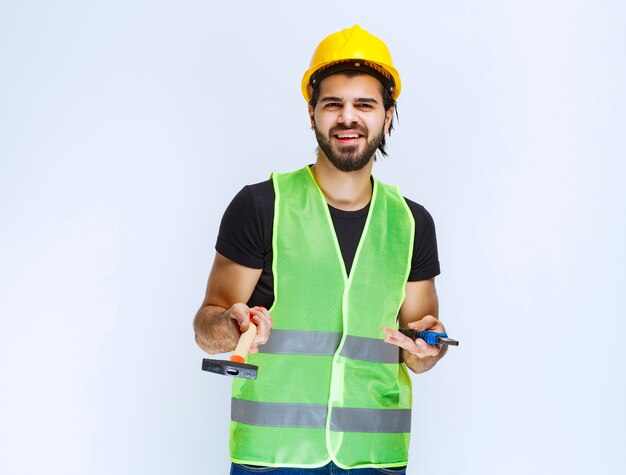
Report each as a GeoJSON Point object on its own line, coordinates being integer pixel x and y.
{"type": "Point", "coordinates": [426, 350]}
{"type": "Point", "coordinates": [418, 347]}
{"type": "Point", "coordinates": [263, 320]}
{"type": "Point", "coordinates": [240, 314]}
{"type": "Point", "coordinates": [426, 323]}
{"type": "Point", "coordinates": [396, 338]}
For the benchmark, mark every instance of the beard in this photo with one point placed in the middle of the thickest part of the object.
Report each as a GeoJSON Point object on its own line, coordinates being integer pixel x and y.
{"type": "Point", "coordinates": [348, 158]}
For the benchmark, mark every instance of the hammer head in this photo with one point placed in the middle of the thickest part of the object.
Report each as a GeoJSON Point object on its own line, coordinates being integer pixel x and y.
{"type": "Point", "coordinates": [230, 368]}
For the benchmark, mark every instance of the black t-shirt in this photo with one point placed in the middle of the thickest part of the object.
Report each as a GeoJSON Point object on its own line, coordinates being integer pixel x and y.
{"type": "Point", "coordinates": [245, 236]}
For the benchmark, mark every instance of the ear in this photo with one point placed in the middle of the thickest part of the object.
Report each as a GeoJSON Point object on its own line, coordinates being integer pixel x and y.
{"type": "Point", "coordinates": [312, 116]}
{"type": "Point", "coordinates": [388, 117]}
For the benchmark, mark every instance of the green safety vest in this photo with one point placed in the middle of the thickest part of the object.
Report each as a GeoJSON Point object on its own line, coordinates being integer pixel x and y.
{"type": "Point", "coordinates": [328, 387]}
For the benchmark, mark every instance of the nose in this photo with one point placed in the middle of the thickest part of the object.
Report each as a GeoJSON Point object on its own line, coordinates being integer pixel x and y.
{"type": "Point", "coordinates": [348, 115]}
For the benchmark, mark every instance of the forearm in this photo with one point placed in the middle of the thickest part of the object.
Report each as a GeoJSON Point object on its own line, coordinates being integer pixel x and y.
{"type": "Point", "coordinates": [212, 328]}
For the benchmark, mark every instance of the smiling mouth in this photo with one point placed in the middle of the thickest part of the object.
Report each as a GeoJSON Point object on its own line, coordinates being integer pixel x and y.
{"type": "Point", "coordinates": [348, 138]}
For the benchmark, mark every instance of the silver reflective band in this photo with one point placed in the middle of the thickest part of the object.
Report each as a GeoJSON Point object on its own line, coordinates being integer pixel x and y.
{"type": "Point", "coordinates": [370, 349]}
{"type": "Point", "coordinates": [313, 416]}
{"type": "Point", "coordinates": [292, 342]}
{"type": "Point", "coordinates": [278, 414]}
{"type": "Point", "coordinates": [347, 419]}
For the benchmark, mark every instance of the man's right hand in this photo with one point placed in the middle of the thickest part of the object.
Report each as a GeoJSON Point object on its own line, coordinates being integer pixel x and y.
{"type": "Point", "coordinates": [222, 318]}
{"type": "Point", "coordinates": [240, 316]}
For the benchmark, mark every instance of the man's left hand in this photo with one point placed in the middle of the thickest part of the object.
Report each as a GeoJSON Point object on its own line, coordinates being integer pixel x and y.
{"type": "Point", "coordinates": [418, 347]}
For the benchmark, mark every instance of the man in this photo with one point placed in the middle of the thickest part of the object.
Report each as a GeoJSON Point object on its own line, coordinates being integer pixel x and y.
{"type": "Point", "coordinates": [340, 260]}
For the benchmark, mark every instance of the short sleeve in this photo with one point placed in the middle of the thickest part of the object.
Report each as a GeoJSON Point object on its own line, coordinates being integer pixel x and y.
{"type": "Point", "coordinates": [243, 234]}
{"type": "Point", "coordinates": [425, 262]}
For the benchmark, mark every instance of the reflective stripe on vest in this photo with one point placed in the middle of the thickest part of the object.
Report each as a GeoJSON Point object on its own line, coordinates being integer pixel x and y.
{"type": "Point", "coordinates": [328, 386]}
{"type": "Point", "coordinates": [279, 415]}
{"type": "Point", "coordinates": [314, 416]}
{"type": "Point", "coordinates": [293, 342]}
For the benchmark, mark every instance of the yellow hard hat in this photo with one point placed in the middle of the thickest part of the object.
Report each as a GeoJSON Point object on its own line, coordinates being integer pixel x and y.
{"type": "Point", "coordinates": [352, 48]}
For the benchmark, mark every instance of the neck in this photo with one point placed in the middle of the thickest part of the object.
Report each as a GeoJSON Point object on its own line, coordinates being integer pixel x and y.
{"type": "Point", "coordinates": [349, 191]}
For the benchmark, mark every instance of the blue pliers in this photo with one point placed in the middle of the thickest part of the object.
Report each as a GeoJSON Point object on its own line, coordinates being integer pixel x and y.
{"type": "Point", "coordinates": [430, 337]}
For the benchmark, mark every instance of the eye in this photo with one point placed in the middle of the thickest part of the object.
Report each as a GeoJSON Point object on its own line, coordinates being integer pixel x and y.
{"type": "Point", "coordinates": [364, 105]}
{"type": "Point", "coordinates": [332, 105]}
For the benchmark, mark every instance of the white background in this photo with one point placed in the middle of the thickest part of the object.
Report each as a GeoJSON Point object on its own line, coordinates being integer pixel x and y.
{"type": "Point", "coordinates": [126, 128]}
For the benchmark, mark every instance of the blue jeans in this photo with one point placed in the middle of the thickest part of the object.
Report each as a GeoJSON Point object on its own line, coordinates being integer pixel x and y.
{"type": "Point", "coordinates": [330, 469]}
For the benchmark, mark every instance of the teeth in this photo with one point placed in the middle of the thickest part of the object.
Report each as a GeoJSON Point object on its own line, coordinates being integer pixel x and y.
{"type": "Point", "coordinates": [348, 136]}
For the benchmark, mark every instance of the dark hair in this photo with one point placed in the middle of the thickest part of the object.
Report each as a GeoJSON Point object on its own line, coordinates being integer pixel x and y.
{"type": "Point", "coordinates": [388, 103]}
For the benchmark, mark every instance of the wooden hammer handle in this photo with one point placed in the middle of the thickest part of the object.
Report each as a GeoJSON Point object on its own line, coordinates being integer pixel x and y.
{"type": "Point", "coordinates": [243, 346]}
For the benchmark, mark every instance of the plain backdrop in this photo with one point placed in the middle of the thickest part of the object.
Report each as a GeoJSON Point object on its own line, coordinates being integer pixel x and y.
{"type": "Point", "coordinates": [126, 127]}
